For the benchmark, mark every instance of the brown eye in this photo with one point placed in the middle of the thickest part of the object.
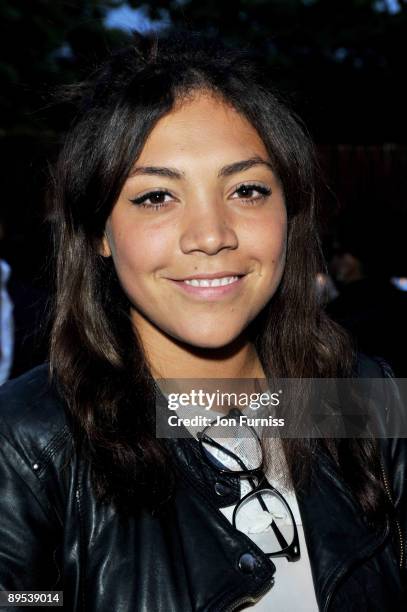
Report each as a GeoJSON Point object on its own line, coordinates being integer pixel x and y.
{"type": "Point", "coordinates": [251, 192]}
{"type": "Point", "coordinates": [157, 198]}
{"type": "Point", "coordinates": [152, 199]}
{"type": "Point", "coordinates": [245, 191]}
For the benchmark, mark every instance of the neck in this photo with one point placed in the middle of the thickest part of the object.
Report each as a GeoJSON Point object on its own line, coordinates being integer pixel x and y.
{"type": "Point", "coordinates": [171, 358]}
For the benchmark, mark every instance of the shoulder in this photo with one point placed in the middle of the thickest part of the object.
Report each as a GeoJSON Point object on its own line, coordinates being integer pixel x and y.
{"type": "Point", "coordinates": [372, 367]}
{"type": "Point", "coordinates": [391, 409]}
{"type": "Point", "coordinates": [385, 394]}
{"type": "Point", "coordinates": [381, 388]}
{"type": "Point", "coordinates": [33, 418]}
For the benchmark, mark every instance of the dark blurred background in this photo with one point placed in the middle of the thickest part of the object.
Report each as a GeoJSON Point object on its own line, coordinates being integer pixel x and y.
{"type": "Point", "coordinates": [340, 64]}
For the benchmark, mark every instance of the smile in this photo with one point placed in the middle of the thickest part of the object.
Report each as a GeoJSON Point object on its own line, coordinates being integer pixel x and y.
{"type": "Point", "coordinates": [210, 288]}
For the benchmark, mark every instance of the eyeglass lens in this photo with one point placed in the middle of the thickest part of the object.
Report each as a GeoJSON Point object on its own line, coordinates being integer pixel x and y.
{"type": "Point", "coordinates": [266, 519]}
{"type": "Point", "coordinates": [237, 448]}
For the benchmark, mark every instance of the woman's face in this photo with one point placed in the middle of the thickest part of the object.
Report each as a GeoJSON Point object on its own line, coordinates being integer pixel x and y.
{"type": "Point", "coordinates": [202, 202]}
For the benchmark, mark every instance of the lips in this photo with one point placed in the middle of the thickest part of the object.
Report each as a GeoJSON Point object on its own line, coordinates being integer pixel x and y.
{"type": "Point", "coordinates": [211, 292]}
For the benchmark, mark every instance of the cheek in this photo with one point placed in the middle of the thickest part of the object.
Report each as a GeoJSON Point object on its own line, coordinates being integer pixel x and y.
{"type": "Point", "coordinates": [137, 251]}
{"type": "Point", "coordinates": [269, 246]}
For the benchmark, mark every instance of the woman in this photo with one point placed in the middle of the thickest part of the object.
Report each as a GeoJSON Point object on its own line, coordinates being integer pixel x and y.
{"type": "Point", "coordinates": [182, 167]}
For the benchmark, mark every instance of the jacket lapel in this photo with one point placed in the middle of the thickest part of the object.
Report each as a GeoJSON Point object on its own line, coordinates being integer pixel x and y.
{"type": "Point", "coordinates": [335, 529]}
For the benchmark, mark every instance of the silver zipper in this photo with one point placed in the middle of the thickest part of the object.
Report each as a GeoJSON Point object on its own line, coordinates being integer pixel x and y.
{"type": "Point", "coordinates": [400, 533]}
{"type": "Point", "coordinates": [249, 600]}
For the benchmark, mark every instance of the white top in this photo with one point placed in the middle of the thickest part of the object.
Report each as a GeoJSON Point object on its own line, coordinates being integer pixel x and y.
{"type": "Point", "coordinates": [293, 588]}
{"type": "Point", "coordinates": [6, 324]}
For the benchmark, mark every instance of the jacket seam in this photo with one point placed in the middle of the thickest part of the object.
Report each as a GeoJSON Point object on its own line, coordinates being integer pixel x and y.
{"type": "Point", "coordinates": [48, 453]}
{"type": "Point", "coordinates": [54, 554]}
{"type": "Point", "coordinates": [48, 508]}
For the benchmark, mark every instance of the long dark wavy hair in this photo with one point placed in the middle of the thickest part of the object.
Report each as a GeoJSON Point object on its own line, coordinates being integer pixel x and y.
{"type": "Point", "coordinates": [96, 358]}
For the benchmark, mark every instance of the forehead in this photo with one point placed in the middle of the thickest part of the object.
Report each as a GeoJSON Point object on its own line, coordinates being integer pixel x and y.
{"type": "Point", "coordinates": [203, 125]}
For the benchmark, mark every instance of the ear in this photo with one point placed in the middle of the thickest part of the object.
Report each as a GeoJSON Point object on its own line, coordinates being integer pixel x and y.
{"type": "Point", "coordinates": [104, 248]}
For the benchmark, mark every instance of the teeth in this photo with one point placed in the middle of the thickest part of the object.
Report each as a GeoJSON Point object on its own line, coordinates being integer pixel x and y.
{"type": "Point", "coordinates": [215, 282]}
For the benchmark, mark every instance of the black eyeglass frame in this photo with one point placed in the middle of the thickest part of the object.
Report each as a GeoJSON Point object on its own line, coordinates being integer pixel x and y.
{"type": "Point", "coordinates": [290, 551]}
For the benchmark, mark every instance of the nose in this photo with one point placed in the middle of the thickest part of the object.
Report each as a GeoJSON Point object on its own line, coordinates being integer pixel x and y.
{"type": "Point", "coordinates": [207, 229]}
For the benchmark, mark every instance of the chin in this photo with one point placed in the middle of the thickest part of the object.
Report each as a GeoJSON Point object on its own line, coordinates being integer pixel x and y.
{"type": "Point", "coordinates": [215, 339]}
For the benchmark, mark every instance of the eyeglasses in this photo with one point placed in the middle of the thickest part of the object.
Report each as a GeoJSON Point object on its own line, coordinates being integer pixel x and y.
{"type": "Point", "coordinates": [263, 513]}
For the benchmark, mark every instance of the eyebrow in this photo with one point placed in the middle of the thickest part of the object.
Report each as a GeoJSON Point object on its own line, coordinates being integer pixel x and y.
{"type": "Point", "coordinates": [243, 165]}
{"type": "Point", "coordinates": [229, 170]}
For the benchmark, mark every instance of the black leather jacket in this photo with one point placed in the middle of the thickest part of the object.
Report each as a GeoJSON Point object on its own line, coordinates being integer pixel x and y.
{"type": "Point", "coordinates": [54, 535]}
